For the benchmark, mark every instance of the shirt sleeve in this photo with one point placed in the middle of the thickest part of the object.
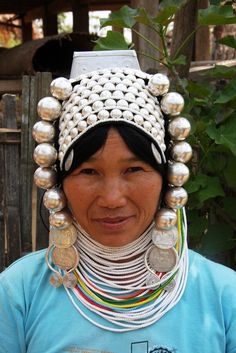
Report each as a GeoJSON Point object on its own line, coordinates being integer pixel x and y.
{"type": "Point", "coordinates": [11, 318]}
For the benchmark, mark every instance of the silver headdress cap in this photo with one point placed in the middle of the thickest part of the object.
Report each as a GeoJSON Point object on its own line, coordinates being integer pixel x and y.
{"type": "Point", "coordinates": [117, 93]}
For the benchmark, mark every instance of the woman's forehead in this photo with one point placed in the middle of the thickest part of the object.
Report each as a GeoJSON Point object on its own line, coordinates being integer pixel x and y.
{"type": "Point", "coordinates": [114, 147]}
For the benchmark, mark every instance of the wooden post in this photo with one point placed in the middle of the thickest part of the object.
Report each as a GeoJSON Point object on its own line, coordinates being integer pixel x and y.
{"type": "Point", "coordinates": [49, 22]}
{"type": "Point", "coordinates": [11, 184]}
{"type": "Point", "coordinates": [202, 38]}
{"type": "Point", "coordinates": [184, 24]}
{"type": "Point", "coordinates": [26, 168]}
{"type": "Point", "coordinates": [146, 64]}
{"type": "Point", "coordinates": [2, 232]}
{"type": "Point", "coordinates": [80, 17]}
{"type": "Point", "coordinates": [27, 30]}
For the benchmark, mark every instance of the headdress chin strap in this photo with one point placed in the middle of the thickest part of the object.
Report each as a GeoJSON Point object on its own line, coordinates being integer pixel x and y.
{"type": "Point", "coordinates": [119, 94]}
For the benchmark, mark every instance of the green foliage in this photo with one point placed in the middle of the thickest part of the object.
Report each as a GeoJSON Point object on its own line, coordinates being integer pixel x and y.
{"type": "Point", "coordinates": [216, 15]}
{"type": "Point", "coordinates": [230, 41]}
{"type": "Point", "coordinates": [113, 41]}
{"type": "Point", "coordinates": [210, 106]}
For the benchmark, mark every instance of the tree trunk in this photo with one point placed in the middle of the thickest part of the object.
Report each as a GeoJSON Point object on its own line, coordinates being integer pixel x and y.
{"type": "Point", "coordinates": [184, 25]}
{"type": "Point", "coordinates": [202, 38]}
{"type": "Point", "coordinates": [147, 64]}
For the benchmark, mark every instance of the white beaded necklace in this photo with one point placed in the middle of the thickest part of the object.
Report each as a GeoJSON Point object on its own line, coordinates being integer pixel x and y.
{"type": "Point", "coordinates": [121, 271]}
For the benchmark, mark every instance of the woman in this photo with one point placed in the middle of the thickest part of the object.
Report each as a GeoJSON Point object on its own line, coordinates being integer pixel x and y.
{"type": "Point", "coordinates": [119, 264]}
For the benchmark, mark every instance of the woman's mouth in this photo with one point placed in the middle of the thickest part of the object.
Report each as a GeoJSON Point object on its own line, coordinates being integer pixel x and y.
{"type": "Point", "coordinates": [113, 223]}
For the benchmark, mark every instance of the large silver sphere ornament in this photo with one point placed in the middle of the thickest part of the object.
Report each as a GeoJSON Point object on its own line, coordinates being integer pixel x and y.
{"type": "Point", "coordinates": [179, 128]}
{"type": "Point", "coordinates": [178, 173]}
{"type": "Point", "coordinates": [49, 108]}
{"type": "Point", "coordinates": [165, 218]}
{"type": "Point", "coordinates": [43, 131]}
{"type": "Point", "coordinates": [181, 152]}
{"type": "Point", "coordinates": [45, 178]}
{"type": "Point", "coordinates": [45, 155]}
{"type": "Point", "coordinates": [54, 200]}
{"type": "Point", "coordinates": [61, 88]}
{"type": "Point", "coordinates": [158, 84]}
{"type": "Point", "coordinates": [61, 219]}
{"type": "Point", "coordinates": [176, 197]}
{"type": "Point", "coordinates": [172, 103]}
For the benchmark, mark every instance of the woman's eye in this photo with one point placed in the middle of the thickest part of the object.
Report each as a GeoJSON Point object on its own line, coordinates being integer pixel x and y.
{"type": "Point", "coordinates": [88, 171]}
{"type": "Point", "coordinates": [134, 169]}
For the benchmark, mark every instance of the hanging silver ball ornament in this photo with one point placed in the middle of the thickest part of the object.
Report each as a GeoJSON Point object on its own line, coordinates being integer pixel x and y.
{"type": "Point", "coordinates": [43, 131]}
{"type": "Point", "coordinates": [61, 88]}
{"type": "Point", "coordinates": [45, 178]}
{"type": "Point", "coordinates": [179, 128]}
{"type": "Point", "coordinates": [165, 218]}
{"type": "Point", "coordinates": [178, 173]}
{"type": "Point", "coordinates": [61, 219]}
{"type": "Point", "coordinates": [54, 200]}
{"type": "Point", "coordinates": [49, 108]}
{"type": "Point", "coordinates": [45, 155]}
{"type": "Point", "coordinates": [158, 84]}
{"type": "Point", "coordinates": [181, 152]}
{"type": "Point", "coordinates": [176, 197]}
{"type": "Point", "coordinates": [172, 103]}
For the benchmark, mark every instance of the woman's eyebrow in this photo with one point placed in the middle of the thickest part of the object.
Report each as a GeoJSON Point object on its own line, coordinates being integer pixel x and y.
{"type": "Point", "coordinates": [125, 159]}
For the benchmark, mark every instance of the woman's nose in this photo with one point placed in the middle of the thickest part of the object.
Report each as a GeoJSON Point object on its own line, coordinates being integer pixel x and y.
{"type": "Point", "coordinates": [112, 194]}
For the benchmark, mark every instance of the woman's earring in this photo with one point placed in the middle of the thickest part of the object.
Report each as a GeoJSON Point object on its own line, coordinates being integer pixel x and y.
{"type": "Point", "coordinates": [62, 256]}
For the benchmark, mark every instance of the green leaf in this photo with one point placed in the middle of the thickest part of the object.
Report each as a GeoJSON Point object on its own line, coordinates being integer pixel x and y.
{"type": "Point", "coordinates": [228, 93]}
{"type": "Point", "coordinates": [230, 41]}
{"type": "Point", "coordinates": [216, 15]}
{"type": "Point", "coordinates": [167, 10]}
{"type": "Point", "coordinates": [215, 2]}
{"type": "Point", "coordinates": [197, 224]}
{"type": "Point", "coordinates": [219, 238]}
{"type": "Point", "coordinates": [124, 18]}
{"type": "Point", "coordinates": [143, 17]}
{"type": "Point", "coordinates": [165, 16]}
{"type": "Point", "coordinates": [229, 173]}
{"type": "Point", "coordinates": [113, 41]}
{"type": "Point", "coordinates": [220, 71]}
{"type": "Point", "coordinates": [229, 205]}
{"type": "Point", "coordinates": [199, 90]}
{"type": "Point", "coordinates": [211, 190]}
{"type": "Point", "coordinates": [225, 134]}
{"type": "Point", "coordinates": [180, 60]}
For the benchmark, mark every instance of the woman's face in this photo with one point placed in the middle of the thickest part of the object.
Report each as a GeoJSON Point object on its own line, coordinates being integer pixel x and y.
{"type": "Point", "coordinates": [113, 195]}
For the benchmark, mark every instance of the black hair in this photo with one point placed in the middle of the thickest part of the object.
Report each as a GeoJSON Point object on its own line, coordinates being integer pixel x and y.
{"type": "Point", "coordinates": [94, 139]}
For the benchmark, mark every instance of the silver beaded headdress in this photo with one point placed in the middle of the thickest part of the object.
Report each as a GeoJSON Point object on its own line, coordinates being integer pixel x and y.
{"type": "Point", "coordinates": [113, 94]}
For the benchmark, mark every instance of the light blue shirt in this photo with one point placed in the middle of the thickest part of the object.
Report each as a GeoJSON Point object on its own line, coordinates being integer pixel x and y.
{"type": "Point", "coordinates": [38, 318]}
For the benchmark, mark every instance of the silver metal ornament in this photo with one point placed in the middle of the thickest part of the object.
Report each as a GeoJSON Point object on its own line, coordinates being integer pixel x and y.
{"type": "Point", "coordinates": [45, 155]}
{"type": "Point", "coordinates": [45, 178]}
{"type": "Point", "coordinates": [165, 218]}
{"type": "Point", "coordinates": [158, 84]}
{"type": "Point", "coordinates": [172, 103]}
{"type": "Point", "coordinates": [61, 88]}
{"type": "Point", "coordinates": [181, 152]}
{"type": "Point", "coordinates": [49, 108]}
{"type": "Point", "coordinates": [43, 131]}
{"type": "Point", "coordinates": [54, 200]}
{"type": "Point", "coordinates": [179, 128]}
{"type": "Point", "coordinates": [178, 174]}
{"type": "Point", "coordinates": [176, 197]}
{"type": "Point", "coordinates": [61, 219]}
{"type": "Point", "coordinates": [165, 238]}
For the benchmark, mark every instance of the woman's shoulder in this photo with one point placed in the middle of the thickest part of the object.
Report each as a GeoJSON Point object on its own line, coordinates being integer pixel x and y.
{"type": "Point", "coordinates": [27, 262]}
{"type": "Point", "coordinates": [26, 270]}
{"type": "Point", "coordinates": [203, 268]}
